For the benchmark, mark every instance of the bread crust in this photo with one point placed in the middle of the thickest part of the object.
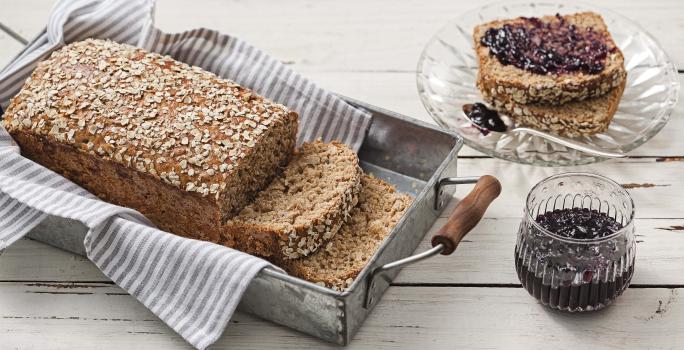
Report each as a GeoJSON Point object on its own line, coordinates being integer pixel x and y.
{"type": "Point", "coordinates": [379, 209]}
{"type": "Point", "coordinates": [197, 218]}
{"type": "Point", "coordinates": [572, 119]}
{"type": "Point", "coordinates": [524, 87]}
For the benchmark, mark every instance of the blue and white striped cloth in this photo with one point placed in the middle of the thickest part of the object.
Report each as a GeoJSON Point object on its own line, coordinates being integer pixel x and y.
{"type": "Point", "coordinates": [191, 285]}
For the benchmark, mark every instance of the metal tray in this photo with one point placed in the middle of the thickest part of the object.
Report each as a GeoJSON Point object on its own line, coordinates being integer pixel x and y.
{"type": "Point", "coordinates": [417, 158]}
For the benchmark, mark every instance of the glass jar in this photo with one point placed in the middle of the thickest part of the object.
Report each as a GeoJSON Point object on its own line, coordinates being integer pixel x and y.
{"type": "Point", "coordinates": [569, 273]}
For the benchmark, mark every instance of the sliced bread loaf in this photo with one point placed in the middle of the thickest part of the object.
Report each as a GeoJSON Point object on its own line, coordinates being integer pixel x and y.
{"type": "Point", "coordinates": [535, 84]}
{"type": "Point", "coordinates": [182, 146]}
{"type": "Point", "coordinates": [302, 208]}
{"type": "Point", "coordinates": [379, 209]}
{"type": "Point", "coordinates": [572, 119]}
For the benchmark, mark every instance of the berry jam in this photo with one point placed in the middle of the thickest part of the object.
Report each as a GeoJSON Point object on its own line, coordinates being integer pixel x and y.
{"type": "Point", "coordinates": [578, 223]}
{"type": "Point", "coordinates": [485, 119]}
{"type": "Point", "coordinates": [574, 276]}
{"type": "Point", "coordinates": [573, 296]}
{"type": "Point", "coordinates": [548, 47]}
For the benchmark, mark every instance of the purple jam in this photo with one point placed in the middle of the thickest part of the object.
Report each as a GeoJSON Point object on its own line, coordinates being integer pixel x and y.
{"type": "Point", "coordinates": [570, 276]}
{"type": "Point", "coordinates": [485, 119]}
{"type": "Point", "coordinates": [548, 47]}
{"type": "Point", "coordinates": [569, 296]}
{"type": "Point", "coordinates": [579, 223]}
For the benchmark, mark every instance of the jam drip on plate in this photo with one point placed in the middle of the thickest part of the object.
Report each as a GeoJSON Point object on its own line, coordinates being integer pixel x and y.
{"type": "Point", "coordinates": [483, 118]}
{"type": "Point", "coordinates": [548, 47]}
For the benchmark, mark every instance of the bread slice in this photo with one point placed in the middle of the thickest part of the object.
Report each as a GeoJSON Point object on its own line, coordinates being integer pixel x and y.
{"type": "Point", "coordinates": [379, 209]}
{"type": "Point", "coordinates": [522, 86]}
{"type": "Point", "coordinates": [572, 119]}
{"type": "Point", "coordinates": [302, 208]}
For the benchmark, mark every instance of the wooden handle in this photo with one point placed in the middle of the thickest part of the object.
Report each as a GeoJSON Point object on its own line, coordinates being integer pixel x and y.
{"type": "Point", "coordinates": [467, 213]}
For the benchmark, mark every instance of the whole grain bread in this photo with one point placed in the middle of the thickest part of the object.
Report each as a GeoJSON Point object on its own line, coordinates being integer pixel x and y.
{"type": "Point", "coordinates": [508, 82]}
{"type": "Point", "coordinates": [182, 146]}
{"type": "Point", "coordinates": [572, 119]}
{"type": "Point", "coordinates": [302, 208]}
{"type": "Point", "coordinates": [379, 209]}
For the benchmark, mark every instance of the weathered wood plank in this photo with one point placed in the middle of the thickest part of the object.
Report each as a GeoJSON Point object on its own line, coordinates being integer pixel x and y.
{"type": "Point", "coordinates": [484, 257]}
{"type": "Point", "coordinates": [9, 47]}
{"type": "Point", "coordinates": [657, 185]}
{"type": "Point", "coordinates": [342, 36]}
{"type": "Point", "coordinates": [28, 260]}
{"type": "Point", "coordinates": [487, 259]}
{"type": "Point", "coordinates": [407, 317]}
{"type": "Point", "coordinates": [377, 35]}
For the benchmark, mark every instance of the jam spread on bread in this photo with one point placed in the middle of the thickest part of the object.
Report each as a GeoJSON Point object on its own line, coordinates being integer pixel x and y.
{"type": "Point", "coordinates": [544, 47]}
{"type": "Point", "coordinates": [578, 223]}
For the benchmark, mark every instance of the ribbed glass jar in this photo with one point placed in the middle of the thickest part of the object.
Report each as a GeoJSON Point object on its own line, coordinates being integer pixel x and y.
{"type": "Point", "coordinates": [569, 273]}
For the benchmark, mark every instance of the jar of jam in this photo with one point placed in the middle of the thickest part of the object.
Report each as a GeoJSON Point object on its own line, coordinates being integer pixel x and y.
{"type": "Point", "coordinates": [575, 248]}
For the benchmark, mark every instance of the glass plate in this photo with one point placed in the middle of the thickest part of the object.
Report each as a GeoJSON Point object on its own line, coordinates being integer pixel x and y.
{"type": "Point", "coordinates": [446, 80]}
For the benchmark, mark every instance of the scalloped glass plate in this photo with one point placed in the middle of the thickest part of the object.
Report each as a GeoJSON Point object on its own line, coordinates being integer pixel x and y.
{"type": "Point", "coordinates": [446, 80]}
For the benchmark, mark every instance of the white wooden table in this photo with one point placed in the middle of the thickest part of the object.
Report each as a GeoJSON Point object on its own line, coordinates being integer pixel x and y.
{"type": "Point", "coordinates": [472, 299]}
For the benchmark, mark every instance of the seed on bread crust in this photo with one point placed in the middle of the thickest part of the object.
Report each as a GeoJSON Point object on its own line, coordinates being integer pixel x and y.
{"type": "Point", "coordinates": [141, 130]}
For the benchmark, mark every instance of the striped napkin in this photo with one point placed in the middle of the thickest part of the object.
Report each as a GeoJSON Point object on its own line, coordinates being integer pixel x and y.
{"type": "Point", "coordinates": [193, 286]}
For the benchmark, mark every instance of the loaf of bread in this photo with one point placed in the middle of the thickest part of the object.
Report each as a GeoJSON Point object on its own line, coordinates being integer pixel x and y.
{"type": "Point", "coordinates": [525, 86]}
{"type": "Point", "coordinates": [184, 147]}
{"type": "Point", "coordinates": [302, 208]}
{"type": "Point", "coordinates": [336, 266]}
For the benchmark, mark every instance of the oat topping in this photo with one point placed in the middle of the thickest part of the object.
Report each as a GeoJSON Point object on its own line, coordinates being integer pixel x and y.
{"type": "Point", "coordinates": [149, 112]}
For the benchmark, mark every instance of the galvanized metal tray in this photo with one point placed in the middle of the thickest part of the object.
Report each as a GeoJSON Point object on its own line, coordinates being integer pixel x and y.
{"type": "Point", "coordinates": [418, 159]}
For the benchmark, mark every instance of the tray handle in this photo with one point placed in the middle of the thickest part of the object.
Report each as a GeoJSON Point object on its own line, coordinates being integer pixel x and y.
{"type": "Point", "coordinates": [468, 212]}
